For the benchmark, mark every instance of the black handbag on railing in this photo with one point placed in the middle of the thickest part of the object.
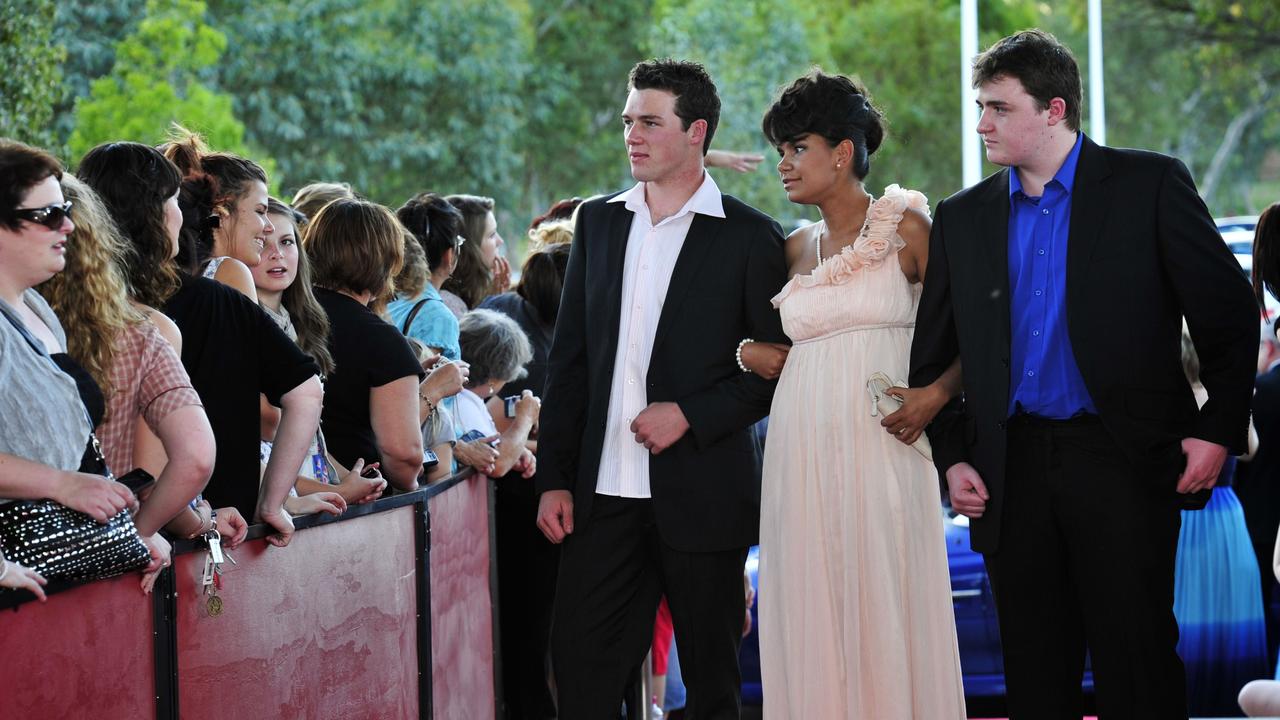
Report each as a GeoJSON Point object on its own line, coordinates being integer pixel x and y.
{"type": "Point", "coordinates": [65, 544]}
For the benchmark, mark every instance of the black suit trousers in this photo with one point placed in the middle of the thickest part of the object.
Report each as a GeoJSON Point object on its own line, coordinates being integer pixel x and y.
{"type": "Point", "coordinates": [613, 572]}
{"type": "Point", "coordinates": [1086, 561]}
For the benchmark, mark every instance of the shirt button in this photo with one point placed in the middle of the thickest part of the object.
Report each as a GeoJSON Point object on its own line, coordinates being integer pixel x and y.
{"type": "Point", "coordinates": [631, 381]}
{"type": "Point", "coordinates": [1031, 373]}
{"type": "Point", "coordinates": [646, 267]}
{"type": "Point", "coordinates": [1034, 333]}
{"type": "Point", "coordinates": [1038, 294]}
{"type": "Point", "coordinates": [1045, 211]}
{"type": "Point", "coordinates": [1040, 252]}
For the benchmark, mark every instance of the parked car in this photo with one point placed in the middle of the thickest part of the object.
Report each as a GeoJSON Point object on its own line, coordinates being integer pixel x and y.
{"type": "Point", "coordinates": [1237, 232]}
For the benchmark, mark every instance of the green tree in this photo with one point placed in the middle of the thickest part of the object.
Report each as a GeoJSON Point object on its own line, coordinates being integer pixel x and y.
{"type": "Point", "coordinates": [907, 53]}
{"type": "Point", "coordinates": [90, 32]}
{"type": "Point", "coordinates": [155, 81]}
{"type": "Point", "coordinates": [393, 96]}
{"type": "Point", "coordinates": [1200, 80]}
{"type": "Point", "coordinates": [751, 48]}
{"type": "Point", "coordinates": [29, 84]}
{"type": "Point", "coordinates": [576, 87]}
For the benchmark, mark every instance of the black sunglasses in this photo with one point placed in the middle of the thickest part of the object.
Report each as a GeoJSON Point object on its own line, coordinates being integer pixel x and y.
{"type": "Point", "coordinates": [50, 216]}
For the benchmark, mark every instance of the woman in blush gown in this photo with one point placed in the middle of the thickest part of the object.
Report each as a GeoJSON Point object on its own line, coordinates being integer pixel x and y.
{"type": "Point", "coordinates": [855, 599]}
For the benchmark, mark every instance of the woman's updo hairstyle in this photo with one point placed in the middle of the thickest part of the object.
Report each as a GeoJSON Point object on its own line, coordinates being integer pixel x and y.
{"type": "Point", "coordinates": [212, 184]}
{"type": "Point", "coordinates": [434, 223]}
{"type": "Point", "coordinates": [832, 106]}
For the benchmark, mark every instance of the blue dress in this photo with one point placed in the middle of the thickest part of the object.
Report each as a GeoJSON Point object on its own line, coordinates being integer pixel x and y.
{"type": "Point", "coordinates": [1217, 599]}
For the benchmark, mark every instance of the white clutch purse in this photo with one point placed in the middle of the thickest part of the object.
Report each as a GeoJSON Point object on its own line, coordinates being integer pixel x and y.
{"type": "Point", "coordinates": [883, 404]}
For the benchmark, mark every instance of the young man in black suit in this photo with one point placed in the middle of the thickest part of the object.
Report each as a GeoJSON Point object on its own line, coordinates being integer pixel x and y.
{"type": "Point", "coordinates": [1061, 282]}
{"type": "Point", "coordinates": [648, 470]}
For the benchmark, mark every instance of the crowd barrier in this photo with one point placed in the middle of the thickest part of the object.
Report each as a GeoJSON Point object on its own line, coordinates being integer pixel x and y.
{"type": "Point", "coordinates": [384, 612]}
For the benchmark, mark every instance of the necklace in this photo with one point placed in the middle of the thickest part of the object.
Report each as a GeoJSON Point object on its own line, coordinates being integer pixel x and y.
{"type": "Point", "coordinates": [817, 238]}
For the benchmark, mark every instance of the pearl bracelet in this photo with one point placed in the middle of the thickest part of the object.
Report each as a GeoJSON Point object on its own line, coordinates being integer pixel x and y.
{"type": "Point", "coordinates": [737, 354]}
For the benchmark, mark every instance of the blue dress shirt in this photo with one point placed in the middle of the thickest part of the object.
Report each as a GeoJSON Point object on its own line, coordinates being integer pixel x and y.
{"type": "Point", "coordinates": [1043, 376]}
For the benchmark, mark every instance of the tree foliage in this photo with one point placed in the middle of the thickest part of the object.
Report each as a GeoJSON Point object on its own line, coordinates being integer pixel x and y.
{"type": "Point", "coordinates": [907, 53]}
{"type": "Point", "coordinates": [395, 97]}
{"type": "Point", "coordinates": [580, 58]}
{"type": "Point", "coordinates": [90, 32]}
{"type": "Point", "coordinates": [155, 82]}
{"type": "Point", "coordinates": [1198, 79]}
{"type": "Point", "coordinates": [751, 48]}
{"type": "Point", "coordinates": [519, 99]}
{"type": "Point", "coordinates": [31, 62]}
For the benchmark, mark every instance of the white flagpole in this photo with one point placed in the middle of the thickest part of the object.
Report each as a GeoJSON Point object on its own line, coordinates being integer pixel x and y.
{"type": "Point", "coordinates": [968, 96]}
{"type": "Point", "coordinates": [1097, 99]}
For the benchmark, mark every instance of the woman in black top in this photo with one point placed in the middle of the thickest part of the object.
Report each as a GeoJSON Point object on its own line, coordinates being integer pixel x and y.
{"type": "Point", "coordinates": [230, 348]}
{"type": "Point", "coordinates": [374, 406]}
{"type": "Point", "coordinates": [527, 561]}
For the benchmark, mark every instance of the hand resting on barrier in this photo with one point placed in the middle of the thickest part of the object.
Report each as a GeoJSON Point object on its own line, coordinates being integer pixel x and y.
{"type": "Point", "coordinates": [19, 577]}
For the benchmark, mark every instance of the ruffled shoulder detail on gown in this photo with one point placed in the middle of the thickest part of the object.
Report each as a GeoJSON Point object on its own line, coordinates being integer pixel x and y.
{"type": "Point", "coordinates": [879, 238]}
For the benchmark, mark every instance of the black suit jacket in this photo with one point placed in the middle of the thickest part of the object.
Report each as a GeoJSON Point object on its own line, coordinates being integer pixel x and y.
{"type": "Point", "coordinates": [1142, 253]}
{"type": "Point", "coordinates": [705, 487]}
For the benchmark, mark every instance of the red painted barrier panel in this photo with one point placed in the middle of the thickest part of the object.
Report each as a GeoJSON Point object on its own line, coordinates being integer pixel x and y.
{"type": "Point", "coordinates": [461, 603]}
{"type": "Point", "coordinates": [85, 653]}
{"type": "Point", "coordinates": [325, 628]}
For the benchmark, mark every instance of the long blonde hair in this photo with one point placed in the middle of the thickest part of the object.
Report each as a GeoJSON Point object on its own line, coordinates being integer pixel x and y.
{"type": "Point", "coordinates": [90, 295]}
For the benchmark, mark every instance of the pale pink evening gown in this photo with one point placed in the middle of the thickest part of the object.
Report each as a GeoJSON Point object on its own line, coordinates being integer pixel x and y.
{"type": "Point", "coordinates": [855, 597]}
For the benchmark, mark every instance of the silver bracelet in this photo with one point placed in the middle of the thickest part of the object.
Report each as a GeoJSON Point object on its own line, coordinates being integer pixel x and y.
{"type": "Point", "coordinates": [737, 354]}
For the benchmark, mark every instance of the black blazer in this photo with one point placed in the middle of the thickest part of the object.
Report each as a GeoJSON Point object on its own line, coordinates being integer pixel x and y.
{"type": "Point", "coordinates": [705, 487]}
{"type": "Point", "coordinates": [1142, 253]}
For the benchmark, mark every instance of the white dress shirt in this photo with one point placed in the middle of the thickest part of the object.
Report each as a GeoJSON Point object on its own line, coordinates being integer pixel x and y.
{"type": "Point", "coordinates": [646, 272]}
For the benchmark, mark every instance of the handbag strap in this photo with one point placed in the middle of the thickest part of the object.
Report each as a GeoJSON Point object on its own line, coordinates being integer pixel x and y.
{"type": "Point", "coordinates": [39, 349]}
{"type": "Point", "coordinates": [404, 330]}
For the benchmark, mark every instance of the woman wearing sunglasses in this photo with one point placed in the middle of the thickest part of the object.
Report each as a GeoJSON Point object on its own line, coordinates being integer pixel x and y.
{"type": "Point", "coordinates": [44, 428]}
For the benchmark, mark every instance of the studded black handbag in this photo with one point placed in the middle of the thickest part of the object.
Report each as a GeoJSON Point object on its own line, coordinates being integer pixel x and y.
{"type": "Point", "coordinates": [65, 544]}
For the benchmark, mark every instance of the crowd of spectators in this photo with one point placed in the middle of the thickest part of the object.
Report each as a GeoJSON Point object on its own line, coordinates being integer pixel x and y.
{"type": "Point", "coordinates": [264, 359]}
{"type": "Point", "coordinates": [160, 300]}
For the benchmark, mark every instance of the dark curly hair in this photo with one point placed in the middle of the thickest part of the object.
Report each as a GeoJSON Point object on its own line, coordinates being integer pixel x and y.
{"type": "Point", "coordinates": [22, 167]}
{"type": "Point", "coordinates": [695, 91]}
{"type": "Point", "coordinates": [832, 106]}
{"type": "Point", "coordinates": [542, 279]}
{"type": "Point", "coordinates": [134, 181]}
{"type": "Point", "coordinates": [1044, 66]}
{"type": "Point", "coordinates": [434, 222]}
{"type": "Point", "coordinates": [212, 185]}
